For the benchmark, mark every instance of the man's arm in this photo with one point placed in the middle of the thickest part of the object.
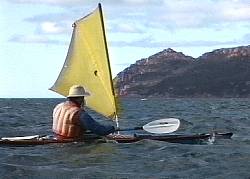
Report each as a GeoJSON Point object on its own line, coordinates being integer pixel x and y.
{"type": "Point", "coordinates": [90, 124]}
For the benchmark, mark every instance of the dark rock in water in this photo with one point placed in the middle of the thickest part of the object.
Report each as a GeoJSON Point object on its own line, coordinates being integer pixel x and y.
{"type": "Point", "coordinates": [220, 73]}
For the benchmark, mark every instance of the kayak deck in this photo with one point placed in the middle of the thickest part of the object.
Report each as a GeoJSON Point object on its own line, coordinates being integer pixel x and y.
{"type": "Point", "coordinates": [42, 140]}
{"type": "Point", "coordinates": [195, 138]}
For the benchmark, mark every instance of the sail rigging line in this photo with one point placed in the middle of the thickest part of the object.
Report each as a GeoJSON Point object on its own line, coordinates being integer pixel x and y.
{"type": "Point", "coordinates": [117, 124]}
{"type": "Point", "coordinates": [107, 55]}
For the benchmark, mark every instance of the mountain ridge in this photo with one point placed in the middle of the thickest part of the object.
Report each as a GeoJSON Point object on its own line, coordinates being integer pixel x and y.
{"type": "Point", "coordinates": [222, 72]}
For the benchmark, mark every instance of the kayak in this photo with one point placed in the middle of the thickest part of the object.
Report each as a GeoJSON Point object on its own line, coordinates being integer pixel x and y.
{"type": "Point", "coordinates": [174, 138]}
{"type": "Point", "coordinates": [118, 138]}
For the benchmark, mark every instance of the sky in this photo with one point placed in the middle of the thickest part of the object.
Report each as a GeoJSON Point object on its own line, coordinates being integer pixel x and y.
{"type": "Point", "coordinates": [35, 35]}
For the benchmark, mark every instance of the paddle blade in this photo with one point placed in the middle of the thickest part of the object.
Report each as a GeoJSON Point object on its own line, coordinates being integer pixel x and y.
{"type": "Point", "coordinates": [162, 126]}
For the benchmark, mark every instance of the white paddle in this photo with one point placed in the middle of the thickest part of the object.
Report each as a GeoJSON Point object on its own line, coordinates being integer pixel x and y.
{"type": "Point", "coordinates": [159, 126]}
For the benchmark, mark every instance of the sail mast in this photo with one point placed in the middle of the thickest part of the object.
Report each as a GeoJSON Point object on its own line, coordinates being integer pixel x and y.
{"type": "Point", "coordinates": [107, 54]}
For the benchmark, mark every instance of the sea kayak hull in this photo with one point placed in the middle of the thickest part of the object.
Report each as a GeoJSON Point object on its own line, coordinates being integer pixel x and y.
{"type": "Point", "coordinates": [194, 138]}
{"type": "Point", "coordinates": [42, 140]}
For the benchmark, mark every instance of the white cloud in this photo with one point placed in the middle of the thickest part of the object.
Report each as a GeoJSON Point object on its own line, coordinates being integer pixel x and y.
{"type": "Point", "coordinates": [84, 2]}
{"type": "Point", "coordinates": [52, 23]}
{"type": "Point", "coordinates": [159, 14]}
{"type": "Point", "coordinates": [142, 2]}
{"type": "Point", "coordinates": [34, 39]}
{"type": "Point", "coordinates": [49, 2]}
{"type": "Point", "coordinates": [126, 28]}
{"type": "Point", "coordinates": [240, 13]}
{"type": "Point", "coordinates": [147, 17]}
{"type": "Point", "coordinates": [208, 13]}
{"type": "Point", "coordinates": [59, 17]}
{"type": "Point", "coordinates": [151, 43]}
{"type": "Point", "coordinates": [50, 27]}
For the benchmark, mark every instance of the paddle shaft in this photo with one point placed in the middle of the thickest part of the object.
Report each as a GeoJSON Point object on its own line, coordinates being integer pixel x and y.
{"type": "Point", "coordinates": [160, 126]}
{"type": "Point", "coordinates": [137, 128]}
{"type": "Point", "coordinates": [130, 129]}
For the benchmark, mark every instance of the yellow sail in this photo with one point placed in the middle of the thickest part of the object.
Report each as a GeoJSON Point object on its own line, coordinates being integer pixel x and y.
{"type": "Point", "coordinates": [87, 64]}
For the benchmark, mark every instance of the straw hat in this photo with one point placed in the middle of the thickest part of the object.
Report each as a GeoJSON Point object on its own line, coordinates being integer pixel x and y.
{"type": "Point", "coordinates": [77, 91]}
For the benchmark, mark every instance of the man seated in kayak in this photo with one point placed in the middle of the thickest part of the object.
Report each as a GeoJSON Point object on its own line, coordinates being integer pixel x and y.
{"type": "Point", "coordinates": [70, 120]}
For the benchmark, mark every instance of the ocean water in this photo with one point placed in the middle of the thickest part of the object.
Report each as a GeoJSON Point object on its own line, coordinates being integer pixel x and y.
{"type": "Point", "coordinates": [223, 158]}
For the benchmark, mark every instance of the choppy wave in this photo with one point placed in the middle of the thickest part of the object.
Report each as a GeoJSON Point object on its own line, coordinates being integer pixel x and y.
{"type": "Point", "coordinates": [144, 159]}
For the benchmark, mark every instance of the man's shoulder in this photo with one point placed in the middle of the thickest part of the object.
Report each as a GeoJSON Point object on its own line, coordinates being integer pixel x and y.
{"type": "Point", "coordinates": [60, 105]}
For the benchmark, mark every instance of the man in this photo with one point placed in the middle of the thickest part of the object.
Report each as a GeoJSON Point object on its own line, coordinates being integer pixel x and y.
{"type": "Point", "coordinates": [71, 121]}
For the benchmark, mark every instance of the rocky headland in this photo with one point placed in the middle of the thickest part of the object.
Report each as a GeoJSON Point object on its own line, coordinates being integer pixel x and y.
{"type": "Point", "coordinates": [220, 73]}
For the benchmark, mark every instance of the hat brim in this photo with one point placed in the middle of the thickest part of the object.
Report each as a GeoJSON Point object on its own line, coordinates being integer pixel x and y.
{"type": "Point", "coordinates": [85, 94]}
